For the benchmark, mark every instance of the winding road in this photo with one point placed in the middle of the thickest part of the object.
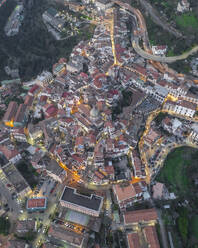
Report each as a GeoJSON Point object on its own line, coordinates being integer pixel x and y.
{"type": "Point", "coordinates": [172, 59]}
{"type": "Point", "coordinates": [144, 36]}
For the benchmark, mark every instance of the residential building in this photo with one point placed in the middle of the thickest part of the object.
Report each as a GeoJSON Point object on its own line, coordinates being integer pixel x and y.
{"type": "Point", "coordinates": [151, 236]}
{"type": "Point", "coordinates": [20, 117]}
{"type": "Point", "coordinates": [36, 204]}
{"type": "Point", "coordinates": [54, 170]}
{"type": "Point", "coordinates": [49, 245]}
{"type": "Point", "coordinates": [159, 191]}
{"type": "Point", "coordinates": [10, 153]}
{"type": "Point", "coordinates": [133, 240]}
{"type": "Point", "coordinates": [9, 175]}
{"type": "Point", "coordinates": [151, 137]}
{"type": "Point", "coordinates": [183, 6]}
{"type": "Point", "coordinates": [181, 107]}
{"type": "Point", "coordinates": [103, 4]}
{"type": "Point", "coordinates": [127, 195]}
{"type": "Point", "coordinates": [13, 243]}
{"type": "Point", "coordinates": [24, 226]}
{"type": "Point", "coordinates": [10, 114]}
{"type": "Point", "coordinates": [159, 50]}
{"type": "Point", "coordinates": [69, 237]}
{"type": "Point", "coordinates": [140, 217]}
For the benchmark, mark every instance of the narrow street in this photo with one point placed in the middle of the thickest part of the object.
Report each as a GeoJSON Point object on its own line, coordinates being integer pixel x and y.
{"type": "Point", "coordinates": [162, 230]}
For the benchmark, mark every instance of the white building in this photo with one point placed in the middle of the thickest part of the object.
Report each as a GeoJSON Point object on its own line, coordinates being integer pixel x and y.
{"type": "Point", "coordinates": [103, 4]}
{"type": "Point", "coordinates": [159, 50]}
{"type": "Point", "coordinates": [181, 107]}
{"type": "Point", "coordinates": [183, 6]}
{"type": "Point", "coordinates": [44, 78]}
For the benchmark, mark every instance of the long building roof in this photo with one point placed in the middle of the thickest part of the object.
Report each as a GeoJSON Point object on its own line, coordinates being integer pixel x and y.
{"type": "Point", "coordinates": [140, 216]}
{"type": "Point", "coordinates": [11, 111]}
{"type": "Point", "coordinates": [92, 202]}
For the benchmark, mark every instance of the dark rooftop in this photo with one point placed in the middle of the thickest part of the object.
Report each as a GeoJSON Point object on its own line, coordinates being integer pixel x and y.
{"type": "Point", "coordinates": [70, 195]}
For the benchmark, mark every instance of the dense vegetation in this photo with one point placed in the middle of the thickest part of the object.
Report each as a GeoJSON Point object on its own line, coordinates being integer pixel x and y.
{"type": "Point", "coordinates": [4, 225]}
{"type": "Point", "coordinates": [180, 174]}
{"type": "Point", "coordinates": [34, 47]}
{"type": "Point", "coordinates": [186, 23]}
{"type": "Point", "coordinates": [28, 172]}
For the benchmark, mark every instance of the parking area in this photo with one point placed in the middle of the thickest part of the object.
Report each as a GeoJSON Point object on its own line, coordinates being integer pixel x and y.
{"type": "Point", "coordinates": [9, 200]}
{"type": "Point", "coordinates": [45, 187]}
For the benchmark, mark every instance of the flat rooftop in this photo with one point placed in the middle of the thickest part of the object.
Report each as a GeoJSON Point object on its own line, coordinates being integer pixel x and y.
{"type": "Point", "coordinates": [92, 202]}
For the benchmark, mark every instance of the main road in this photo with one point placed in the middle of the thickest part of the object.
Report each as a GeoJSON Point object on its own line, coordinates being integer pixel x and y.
{"type": "Point", "coordinates": [172, 59]}
{"type": "Point", "coordinates": [144, 35]}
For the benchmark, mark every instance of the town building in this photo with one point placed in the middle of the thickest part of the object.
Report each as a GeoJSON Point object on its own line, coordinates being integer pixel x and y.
{"type": "Point", "coordinates": [13, 243]}
{"type": "Point", "coordinates": [183, 6]}
{"type": "Point", "coordinates": [36, 204]}
{"type": "Point", "coordinates": [159, 191]}
{"type": "Point", "coordinates": [140, 217]}
{"type": "Point", "coordinates": [90, 205]}
{"type": "Point", "coordinates": [127, 195]}
{"type": "Point", "coordinates": [181, 107]}
{"type": "Point", "coordinates": [24, 226]}
{"type": "Point", "coordinates": [69, 237]}
{"type": "Point", "coordinates": [54, 170]}
{"type": "Point", "coordinates": [159, 50]}
{"type": "Point", "coordinates": [49, 245]}
{"type": "Point", "coordinates": [10, 114]}
{"type": "Point", "coordinates": [151, 236]}
{"type": "Point", "coordinates": [11, 177]}
{"type": "Point", "coordinates": [133, 240]}
{"type": "Point", "coordinates": [103, 4]}
{"type": "Point", "coordinates": [10, 153]}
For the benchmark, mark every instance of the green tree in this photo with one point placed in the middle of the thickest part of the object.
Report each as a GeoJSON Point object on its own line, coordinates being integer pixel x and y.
{"type": "Point", "coordinates": [4, 225]}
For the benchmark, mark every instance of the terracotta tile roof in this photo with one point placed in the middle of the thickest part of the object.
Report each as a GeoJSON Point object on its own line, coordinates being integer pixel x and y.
{"type": "Point", "coordinates": [8, 153]}
{"type": "Point", "coordinates": [158, 189]}
{"type": "Point", "coordinates": [28, 100]}
{"type": "Point", "coordinates": [43, 98]}
{"type": "Point", "coordinates": [85, 109]}
{"type": "Point", "coordinates": [91, 138]}
{"type": "Point", "coordinates": [152, 136]}
{"type": "Point", "coordinates": [137, 188]}
{"type": "Point", "coordinates": [151, 237]}
{"type": "Point", "coordinates": [19, 117]}
{"type": "Point", "coordinates": [187, 104]}
{"type": "Point", "coordinates": [77, 158]}
{"type": "Point", "coordinates": [11, 111]}
{"type": "Point", "coordinates": [133, 240]}
{"type": "Point", "coordinates": [109, 170]}
{"type": "Point", "coordinates": [36, 203]}
{"type": "Point", "coordinates": [79, 141]}
{"type": "Point", "coordinates": [33, 89]}
{"type": "Point", "coordinates": [137, 216]}
{"type": "Point", "coordinates": [124, 193]}
{"type": "Point", "coordinates": [61, 233]}
{"type": "Point", "coordinates": [141, 70]}
{"type": "Point", "coordinates": [25, 225]}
